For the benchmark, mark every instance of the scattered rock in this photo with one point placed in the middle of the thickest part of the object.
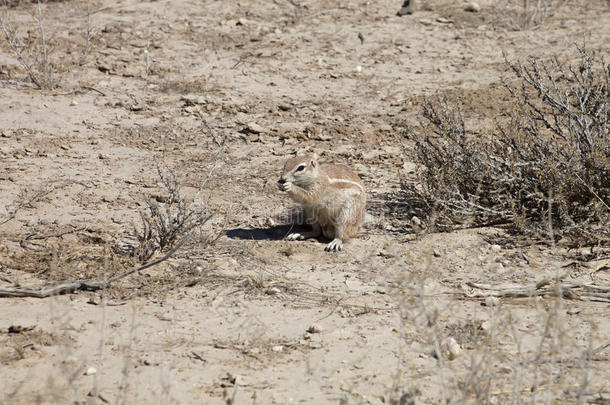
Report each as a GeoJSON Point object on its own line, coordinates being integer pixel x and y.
{"type": "Point", "coordinates": [323, 137]}
{"type": "Point", "coordinates": [137, 107]}
{"type": "Point", "coordinates": [73, 103]}
{"type": "Point", "coordinates": [491, 301]}
{"type": "Point", "coordinates": [191, 100]}
{"type": "Point", "coordinates": [315, 345]}
{"type": "Point", "coordinates": [104, 67]}
{"type": "Point", "coordinates": [385, 128]}
{"type": "Point", "coordinates": [496, 248]}
{"type": "Point", "coordinates": [473, 7]}
{"type": "Point", "coordinates": [451, 349]}
{"type": "Point", "coordinates": [277, 349]}
{"type": "Point", "coordinates": [273, 291]}
{"type": "Point", "coordinates": [6, 134]}
{"type": "Point", "coordinates": [91, 371]}
{"type": "Point", "coordinates": [254, 128]}
{"type": "Point", "coordinates": [416, 221]}
{"type": "Point", "coordinates": [315, 328]}
{"type": "Point", "coordinates": [486, 326]}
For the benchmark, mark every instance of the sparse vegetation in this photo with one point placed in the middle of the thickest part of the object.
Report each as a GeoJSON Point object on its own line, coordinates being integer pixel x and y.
{"type": "Point", "coordinates": [532, 14]}
{"type": "Point", "coordinates": [167, 219]}
{"type": "Point", "coordinates": [34, 48]}
{"type": "Point", "coordinates": [549, 160]}
{"type": "Point", "coordinates": [115, 289]}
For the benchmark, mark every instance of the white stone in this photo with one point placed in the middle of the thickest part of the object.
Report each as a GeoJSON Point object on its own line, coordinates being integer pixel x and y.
{"type": "Point", "coordinates": [451, 348]}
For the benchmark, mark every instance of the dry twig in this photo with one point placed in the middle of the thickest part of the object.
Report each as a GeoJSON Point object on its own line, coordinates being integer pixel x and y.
{"type": "Point", "coordinates": [86, 285]}
{"type": "Point", "coordinates": [546, 287]}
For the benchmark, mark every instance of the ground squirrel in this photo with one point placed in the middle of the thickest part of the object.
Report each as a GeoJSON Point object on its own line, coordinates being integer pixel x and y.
{"type": "Point", "coordinates": [333, 198]}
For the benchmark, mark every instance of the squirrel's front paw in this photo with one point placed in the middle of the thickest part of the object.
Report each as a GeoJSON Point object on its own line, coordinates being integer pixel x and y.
{"type": "Point", "coordinates": [285, 186]}
{"type": "Point", "coordinates": [334, 246]}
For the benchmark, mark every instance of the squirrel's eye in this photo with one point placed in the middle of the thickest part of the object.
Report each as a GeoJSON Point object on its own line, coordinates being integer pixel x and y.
{"type": "Point", "coordinates": [300, 168]}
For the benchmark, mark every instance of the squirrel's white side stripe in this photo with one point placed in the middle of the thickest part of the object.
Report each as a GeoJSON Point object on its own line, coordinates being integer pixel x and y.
{"type": "Point", "coordinates": [331, 180]}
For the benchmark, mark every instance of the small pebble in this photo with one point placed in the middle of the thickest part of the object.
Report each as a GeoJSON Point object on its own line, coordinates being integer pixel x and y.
{"type": "Point", "coordinates": [486, 326]}
{"type": "Point", "coordinates": [91, 371]}
{"type": "Point", "coordinates": [255, 128]}
{"type": "Point", "coordinates": [451, 348]}
{"type": "Point", "coordinates": [472, 7]}
{"type": "Point", "coordinates": [358, 69]}
{"type": "Point", "coordinates": [491, 301]}
{"type": "Point", "coordinates": [272, 291]}
{"type": "Point", "coordinates": [73, 103]}
{"type": "Point", "coordinates": [190, 100]}
{"type": "Point", "coordinates": [277, 349]}
{"type": "Point", "coordinates": [315, 328]}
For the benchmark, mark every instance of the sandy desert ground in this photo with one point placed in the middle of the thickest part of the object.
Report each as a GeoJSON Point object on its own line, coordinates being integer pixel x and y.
{"type": "Point", "coordinates": [238, 315]}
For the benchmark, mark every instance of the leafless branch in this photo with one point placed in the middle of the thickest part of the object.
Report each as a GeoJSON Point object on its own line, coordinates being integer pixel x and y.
{"type": "Point", "coordinates": [86, 285]}
{"type": "Point", "coordinates": [546, 287]}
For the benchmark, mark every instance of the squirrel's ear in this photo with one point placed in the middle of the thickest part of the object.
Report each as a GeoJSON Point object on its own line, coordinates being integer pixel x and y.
{"type": "Point", "coordinates": [314, 160]}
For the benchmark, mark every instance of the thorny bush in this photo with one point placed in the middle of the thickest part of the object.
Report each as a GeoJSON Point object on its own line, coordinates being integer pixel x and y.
{"type": "Point", "coordinates": [547, 164]}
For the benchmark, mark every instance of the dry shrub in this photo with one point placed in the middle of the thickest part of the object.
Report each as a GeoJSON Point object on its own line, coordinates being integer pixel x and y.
{"type": "Point", "coordinates": [167, 220]}
{"type": "Point", "coordinates": [40, 45]}
{"type": "Point", "coordinates": [547, 163]}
